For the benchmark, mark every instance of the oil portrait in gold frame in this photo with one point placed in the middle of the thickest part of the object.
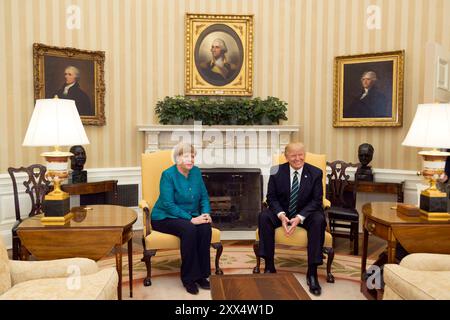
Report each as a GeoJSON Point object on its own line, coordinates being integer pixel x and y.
{"type": "Point", "coordinates": [71, 73]}
{"type": "Point", "coordinates": [219, 55]}
{"type": "Point", "coordinates": [368, 90]}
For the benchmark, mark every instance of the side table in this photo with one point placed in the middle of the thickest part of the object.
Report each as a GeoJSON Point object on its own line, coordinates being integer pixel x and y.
{"type": "Point", "coordinates": [415, 234]}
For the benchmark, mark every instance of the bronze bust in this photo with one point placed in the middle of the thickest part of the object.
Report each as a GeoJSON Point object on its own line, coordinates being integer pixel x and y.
{"type": "Point", "coordinates": [77, 162]}
{"type": "Point", "coordinates": [365, 155]}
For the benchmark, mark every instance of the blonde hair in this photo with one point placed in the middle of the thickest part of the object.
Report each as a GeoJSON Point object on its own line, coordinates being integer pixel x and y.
{"type": "Point", "coordinates": [294, 145]}
{"type": "Point", "coordinates": [181, 149]}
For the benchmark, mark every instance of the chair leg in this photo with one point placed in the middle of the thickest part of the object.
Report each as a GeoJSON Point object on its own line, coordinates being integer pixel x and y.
{"type": "Point", "coordinates": [148, 254]}
{"type": "Point", "coordinates": [256, 269]}
{"type": "Point", "coordinates": [219, 248]}
{"type": "Point", "coordinates": [330, 253]}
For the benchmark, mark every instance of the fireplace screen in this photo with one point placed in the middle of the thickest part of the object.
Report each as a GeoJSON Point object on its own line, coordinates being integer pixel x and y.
{"type": "Point", "coordinates": [235, 196]}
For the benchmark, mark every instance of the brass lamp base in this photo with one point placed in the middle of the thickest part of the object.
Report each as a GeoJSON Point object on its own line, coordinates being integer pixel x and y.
{"type": "Point", "coordinates": [57, 221]}
{"type": "Point", "coordinates": [433, 205]}
{"type": "Point", "coordinates": [56, 208]}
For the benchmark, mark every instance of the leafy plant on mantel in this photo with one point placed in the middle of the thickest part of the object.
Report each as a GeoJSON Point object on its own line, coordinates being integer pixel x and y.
{"type": "Point", "coordinates": [221, 111]}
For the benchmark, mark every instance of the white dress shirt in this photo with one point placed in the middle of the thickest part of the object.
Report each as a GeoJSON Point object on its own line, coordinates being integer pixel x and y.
{"type": "Point", "coordinates": [366, 92]}
{"type": "Point", "coordinates": [66, 88]}
{"type": "Point", "coordinates": [299, 176]}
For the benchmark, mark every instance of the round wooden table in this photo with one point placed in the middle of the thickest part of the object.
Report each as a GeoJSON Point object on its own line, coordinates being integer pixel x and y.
{"type": "Point", "coordinates": [92, 233]}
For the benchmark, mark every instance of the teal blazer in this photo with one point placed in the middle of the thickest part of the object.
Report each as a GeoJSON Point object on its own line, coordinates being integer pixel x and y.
{"type": "Point", "coordinates": [181, 197]}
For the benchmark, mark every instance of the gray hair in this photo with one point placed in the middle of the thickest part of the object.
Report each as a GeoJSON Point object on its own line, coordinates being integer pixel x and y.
{"type": "Point", "coordinates": [181, 149]}
{"type": "Point", "coordinates": [371, 74]}
{"type": "Point", "coordinates": [222, 45]}
{"type": "Point", "coordinates": [75, 70]}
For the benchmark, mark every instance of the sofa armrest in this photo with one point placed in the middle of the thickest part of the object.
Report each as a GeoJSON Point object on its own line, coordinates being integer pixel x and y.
{"type": "Point", "coordinates": [30, 270]}
{"type": "Point", "coordinates": [426, 262]}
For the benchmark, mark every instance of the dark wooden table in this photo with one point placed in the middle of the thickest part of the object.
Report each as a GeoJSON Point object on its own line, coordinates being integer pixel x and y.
{"type": "Point", "coordinates": [89, 188]}
{"type": "Point", "coordinates": [381, 187]}
{"type": "Point", "coordinates": [269, 286]}
{"type": "Point", "coordinates": [90, 234]}
{"type": "Point", "coordinates": [415, 234]}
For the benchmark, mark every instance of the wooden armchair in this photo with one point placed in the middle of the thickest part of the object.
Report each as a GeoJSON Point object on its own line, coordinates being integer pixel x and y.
{"type": "Point", "coordinates": [153, 164]}
{"type": "Point", "coordinates": [342, 213]}
{"type": "Point", "coordinates": [36, 186]}
{"type": "Point", "coordinates": [299, 237]}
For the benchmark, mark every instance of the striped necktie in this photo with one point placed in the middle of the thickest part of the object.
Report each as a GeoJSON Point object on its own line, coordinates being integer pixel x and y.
{"type": "Point", "coordinates": [294, 195]}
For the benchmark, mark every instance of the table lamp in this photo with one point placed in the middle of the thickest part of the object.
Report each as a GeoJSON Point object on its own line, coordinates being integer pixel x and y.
{"type": "Point", "coordinates": [431, 129]}
{"type": "Point", "coordinates": [55, 122]}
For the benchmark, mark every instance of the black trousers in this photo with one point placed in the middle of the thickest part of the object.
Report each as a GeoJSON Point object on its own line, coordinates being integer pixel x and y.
{"type": "Point", "coordinates": [195, 241]}
{"type": "Point", "coordinates": [315, 225]}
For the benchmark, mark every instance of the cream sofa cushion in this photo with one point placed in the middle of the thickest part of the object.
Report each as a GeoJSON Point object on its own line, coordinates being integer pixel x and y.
{"type": "Point", "coordinates": [5, 276]}
{"type": "Point", "coordinates": [99, 286]}
{"type": "Point", "coordinates": [413, 284]}
{"type": "Point", "coordinates": [426, 262]}
{"type": "Point", "coordinates": [22, 271]}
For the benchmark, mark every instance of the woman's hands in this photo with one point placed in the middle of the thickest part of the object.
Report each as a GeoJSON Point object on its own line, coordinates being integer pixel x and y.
{"type": "Point", "coordinates": [203, 218]}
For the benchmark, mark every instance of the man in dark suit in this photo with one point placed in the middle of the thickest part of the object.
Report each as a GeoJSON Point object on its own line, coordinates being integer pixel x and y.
{"type": "Point", "coordinates": [71, 90]}
{"type": "Point", "coordinates": [371, 102]}
{"type": "Point", "coordinates": [294, 196]}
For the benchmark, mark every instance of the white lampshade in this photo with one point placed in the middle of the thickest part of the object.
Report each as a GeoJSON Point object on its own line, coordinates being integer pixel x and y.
{"type": "Point", "coordinates": [55, 122]}
{"type": "Point", "coordinates": [430, 127]}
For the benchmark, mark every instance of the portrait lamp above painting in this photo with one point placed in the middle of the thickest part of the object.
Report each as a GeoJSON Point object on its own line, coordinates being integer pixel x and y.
{"type": "Point", "coordinates": [55, 122]}
{"type": "Point", "coordinates": [431, 129]}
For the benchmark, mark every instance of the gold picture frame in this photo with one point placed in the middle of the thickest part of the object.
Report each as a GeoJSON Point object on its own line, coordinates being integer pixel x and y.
{"type": "Point", "coordinates": [228, 70]}
{"type": "Point", "coordinates": [368, 90]}
{"type": "Point", "coordinates": [73, 74]}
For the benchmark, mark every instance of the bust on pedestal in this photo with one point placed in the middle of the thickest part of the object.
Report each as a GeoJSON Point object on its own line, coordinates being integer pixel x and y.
{"type": "Point", "coordinates": [77, 162]}
{"type": "Point", "coordinates": [365, 155]}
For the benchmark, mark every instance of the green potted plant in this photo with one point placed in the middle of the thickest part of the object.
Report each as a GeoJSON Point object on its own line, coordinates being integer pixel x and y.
{"type": "Point", "coordinates": [174, 110]}
{"type": "Point", "coordinates": [240, 111]}
{"type": "Point", "coordinates": [274, 111]}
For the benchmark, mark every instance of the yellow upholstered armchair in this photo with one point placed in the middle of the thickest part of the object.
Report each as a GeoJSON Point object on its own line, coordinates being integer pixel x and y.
{"type": "Point", "coordinates": [63, 279]}
{"type": "Point", "coordinates": [153, 164]}
{"type": "Point", "coordinates": [299, 237]}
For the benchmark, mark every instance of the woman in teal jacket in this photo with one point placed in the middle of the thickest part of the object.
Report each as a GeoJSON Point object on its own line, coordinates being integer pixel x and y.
{"type": "Point", "coordinates": [183, 210]}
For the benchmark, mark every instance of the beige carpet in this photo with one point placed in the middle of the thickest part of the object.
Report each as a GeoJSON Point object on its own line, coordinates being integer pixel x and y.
{"type": "Point", "coordinates": [238, 259]}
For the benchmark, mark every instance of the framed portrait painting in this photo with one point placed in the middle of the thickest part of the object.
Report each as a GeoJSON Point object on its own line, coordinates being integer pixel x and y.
{"type": "Point", "coordinates": [71, 73]}
{"type": "Point", "coordinates": [219, 55]}
{"type": "Point", "coordinates": [368, 90]}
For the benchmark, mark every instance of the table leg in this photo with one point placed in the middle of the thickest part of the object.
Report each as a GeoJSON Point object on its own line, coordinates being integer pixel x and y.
{"type": "Point", "coordinates": [130, 265]}
{"type": "Point", "coordinates": [392, 246]}
{"type": "Point", "coordinates": [118, 250]}
{"type": "Point", "coordinates": [364, 253]}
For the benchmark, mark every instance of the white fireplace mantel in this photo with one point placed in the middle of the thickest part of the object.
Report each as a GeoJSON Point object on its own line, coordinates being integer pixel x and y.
{"type": "Point", "coordinates": [163, 137]}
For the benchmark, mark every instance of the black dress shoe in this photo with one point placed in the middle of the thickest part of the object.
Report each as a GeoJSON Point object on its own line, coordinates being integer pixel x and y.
{"type": "Point", "coordinates": [313, 284]}
{"type": "Point", "coordinates": [191, 288]}
{"type": "Point", "coordinates": [203, 283]}
{"type": "Point", "coordinates": [270, 270]}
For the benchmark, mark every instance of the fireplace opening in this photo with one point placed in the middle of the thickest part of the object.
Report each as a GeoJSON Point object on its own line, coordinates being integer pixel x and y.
{"type": "Point", "coordinates": [235, 196]}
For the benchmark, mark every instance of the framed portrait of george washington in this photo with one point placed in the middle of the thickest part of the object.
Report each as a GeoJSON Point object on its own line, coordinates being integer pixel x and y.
{"type": "Point", "coordinates": [219, 55]}
{"type": "Point", "coordinates": [74, 74]}
{"type": "Point", "coordinates": [368, 90]}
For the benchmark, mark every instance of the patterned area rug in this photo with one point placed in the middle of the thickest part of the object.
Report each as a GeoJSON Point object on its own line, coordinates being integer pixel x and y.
{"type": "Point", "coordinates": [242, 257]}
